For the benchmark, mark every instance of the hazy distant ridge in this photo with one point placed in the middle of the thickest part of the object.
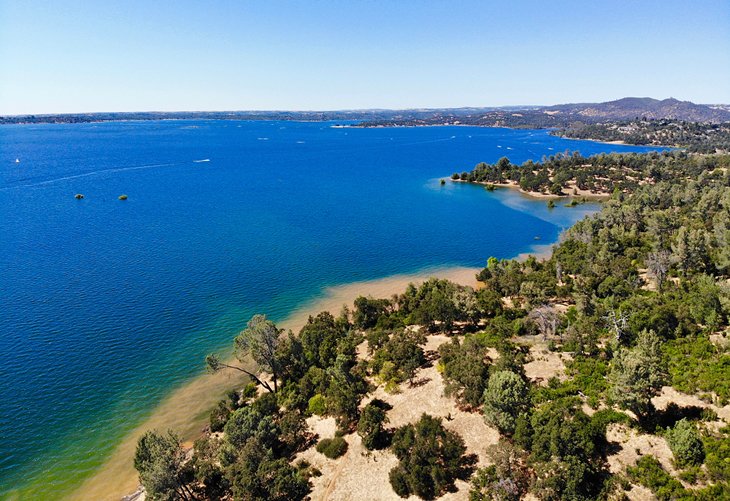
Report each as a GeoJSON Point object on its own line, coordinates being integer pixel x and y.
{"type": "Point", "coordinates": [561, 115]}
{"type": "Point", "coordinates": [629, 108]}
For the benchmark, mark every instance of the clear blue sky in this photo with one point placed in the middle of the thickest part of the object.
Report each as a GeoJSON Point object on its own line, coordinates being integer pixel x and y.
{"type": "Point", "coordinates": [78, 56]}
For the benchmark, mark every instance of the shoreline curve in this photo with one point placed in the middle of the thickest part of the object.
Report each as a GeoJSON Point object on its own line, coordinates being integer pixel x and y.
{"type": "Point", "coordinates": [185, 409]}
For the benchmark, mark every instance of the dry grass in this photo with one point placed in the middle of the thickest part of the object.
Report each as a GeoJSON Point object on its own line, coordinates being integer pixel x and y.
{"type": "Point", "coordinates": [545, 364]}
{"type": "Point", "coordinates": [360, 474]}
{"type": "Point", "coordinates": [640, 493]}
{"type": "Point", "coordinates": [633, 445]}
{"type": "Point", "coordinates": [671, 396]}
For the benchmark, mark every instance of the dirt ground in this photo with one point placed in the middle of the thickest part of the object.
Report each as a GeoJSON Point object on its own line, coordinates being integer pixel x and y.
{"type": "Point", "coordinates": [545, 364]}
{"type": "Point", "coordinates": [342, 479]}
{"type": "Point", "coordinates": [633, 444]}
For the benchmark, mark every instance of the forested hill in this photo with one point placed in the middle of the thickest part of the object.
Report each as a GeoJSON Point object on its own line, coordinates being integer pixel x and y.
{"type": "Point", "coordinates": [601, 372]}
{"type": "Point", "coordinates": [572, 174]}
{"type": "Point", "coordinates": [566, 115]}
{"type": "Point", "coordinates": [696, 137]}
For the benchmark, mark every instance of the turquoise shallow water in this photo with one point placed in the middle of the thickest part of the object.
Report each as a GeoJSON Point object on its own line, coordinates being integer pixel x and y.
{"type": "Point", "coordinates": [106, 305]}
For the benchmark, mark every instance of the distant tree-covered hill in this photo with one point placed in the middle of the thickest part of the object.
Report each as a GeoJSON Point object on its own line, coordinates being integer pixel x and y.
{"type": "Point", "coordinates": [697, 137]}
{"type": "Point", "coordinates": [563, 115]}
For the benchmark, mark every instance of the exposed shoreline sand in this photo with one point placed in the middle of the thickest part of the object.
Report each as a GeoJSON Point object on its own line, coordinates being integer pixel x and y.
{"type": "Point", "coordinates": [186, 409]}
{"type": "Point", "coordinates": [514, 185]}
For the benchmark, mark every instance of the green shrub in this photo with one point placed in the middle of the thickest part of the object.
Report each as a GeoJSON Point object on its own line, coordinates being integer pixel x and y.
{"type": "Point", "coordinates": [430, 458]}
{"type": "Point", "coordinates": [370, 426]}
{"type": "Point", "coordinates": [247, 423]}
{"type": "Point", "coordinates": [219, 416]}
{"type": "Point", "coordinates": [690, 475]}
{"type": "Point", "coordinates": [696, 364]}
{"type": "Point", "coordinates": [685, 442]}
{"type": "Point", "coordinates": [376, 339]}
{"type": "Point", "coordinates": [589, 376]}
{"type": "Point", "coordinates": [649, 473]}
{"type": "Point", "coordinates": [505, 398]}
{"type": "Point", "coordinates": [399, 481]}
{"type": "Point", "coordinates": [332, 447]}
{"type": "Point", "coordinates": [317, 405]}
{"type": "Point", "coordinates": [601, 419]}
{"type": "Point", "coordinates": [249, 391]}
{"type": "Point", "coordinates": [465, 370]}
{"type": "Point", "coordinates": [717, 451]}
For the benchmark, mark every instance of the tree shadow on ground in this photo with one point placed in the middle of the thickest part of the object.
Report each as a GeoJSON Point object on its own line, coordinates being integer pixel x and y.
{"type": "Point", "coordinates": [667, 418]}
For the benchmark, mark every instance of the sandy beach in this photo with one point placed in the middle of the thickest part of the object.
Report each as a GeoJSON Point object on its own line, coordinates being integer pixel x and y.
{"type": "Point", "coordinates": [575, 192]}
{"type": "Point", "coordinates": [186, 409]}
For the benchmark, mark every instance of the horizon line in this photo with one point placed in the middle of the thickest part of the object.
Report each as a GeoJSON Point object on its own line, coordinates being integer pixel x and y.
{"type": "Point", "coordinates": [336, 110]}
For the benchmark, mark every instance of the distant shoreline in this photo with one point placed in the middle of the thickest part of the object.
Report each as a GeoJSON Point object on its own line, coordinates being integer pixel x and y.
{"type": "Point", "coordinates": [51, 121]}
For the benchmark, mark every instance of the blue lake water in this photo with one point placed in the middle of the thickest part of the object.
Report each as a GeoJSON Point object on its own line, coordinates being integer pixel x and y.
{"type": "Point", "coordinates": [107, 305]}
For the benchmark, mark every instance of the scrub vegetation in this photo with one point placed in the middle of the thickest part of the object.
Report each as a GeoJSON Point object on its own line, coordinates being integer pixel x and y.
{"type": "Point", "coordinates": [633, 301]}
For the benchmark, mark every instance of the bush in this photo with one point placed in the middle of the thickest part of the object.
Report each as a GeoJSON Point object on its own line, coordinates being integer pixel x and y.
{"type": "Point", "coordinates": [431, 459]}
{"type": "Point", "coordinates": [249, 391]}
{"type": "Point", "coordinates": [717, 451]}
{"type": "Point", "coordinates": [376, 339]}
{"type": "Point", "coordinates": [368, 311]}
{"type": "Point", "coordinates": [370, 426]}
{"type": "Point", "coordinates": [601, 419]}
{"type": "Point", "coordinates": [399, 481]}
{"type": "Point", "coordinates": [465, 370]}
{"type": "Point", "coordinates": [505, 398]}
{"type": "Point", "coordinates": [649, 473]}
{"type": "Point", "coordinates": [568, 478]}
{"type": "Point", "coordinates": [508, 479]}
{"type": "Point", "coordinates": [685, 442]}
{"type": "Point", "coordinates": [332, 447]}
{"type": "Point", "coordinates": [696, 364]}
{"type": "Point", "coordinates": [400, 357]}
{"type": "Point", "coordinates": [317, 405]}
{"type": "Point", "coordinates": [247, 423]}
{"type": "Point", "coordinates": [219, 416]}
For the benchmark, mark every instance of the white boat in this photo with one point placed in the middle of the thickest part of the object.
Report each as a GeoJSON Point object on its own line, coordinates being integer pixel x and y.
{"type": "Point", "coordinates": [17, 160]}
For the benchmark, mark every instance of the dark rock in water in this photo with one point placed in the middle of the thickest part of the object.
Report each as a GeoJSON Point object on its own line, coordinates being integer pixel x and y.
{"type": "Point", "coordinates": [78, 196]}
{"type": "Point", "coordinates": [122, 197]}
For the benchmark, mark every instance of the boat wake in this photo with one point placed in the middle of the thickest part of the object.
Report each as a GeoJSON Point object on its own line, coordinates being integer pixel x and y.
{"type": "Point", "coordinates": [85, 174]}
{"type": "Point", "coordinates": [201, 161]}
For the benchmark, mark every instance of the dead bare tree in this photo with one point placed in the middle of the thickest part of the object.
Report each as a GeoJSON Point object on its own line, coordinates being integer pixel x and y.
{"type": "Point", "coordinates": [658, 264]}
{"type": "Point", "coordinates": [546, 319]}
{"type": "Point", "coordinates": [618, 323]}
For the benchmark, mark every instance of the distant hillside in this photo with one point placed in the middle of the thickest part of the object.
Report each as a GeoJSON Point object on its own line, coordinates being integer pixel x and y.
{"type": "Point", "coordinates": [564, 115]}
{"type": "Point", "coordinates": [696, 137]}
{"type": "Point", "coordinates": [630, 108]}
{"type": "Point", "coordinates": [535, 117]}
